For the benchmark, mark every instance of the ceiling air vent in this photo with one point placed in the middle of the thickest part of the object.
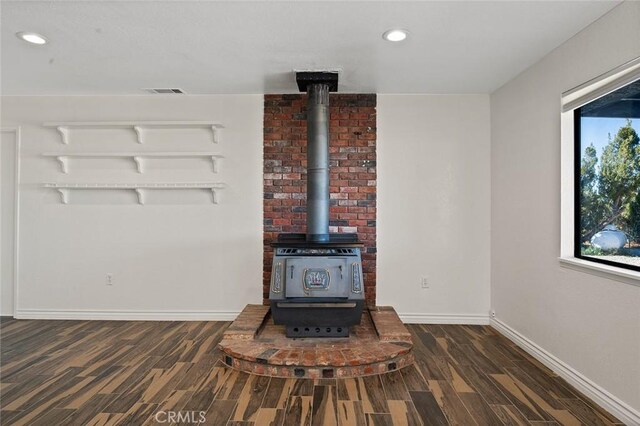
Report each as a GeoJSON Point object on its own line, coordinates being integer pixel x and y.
{"type": "Point", "coordinates": [164, 91]}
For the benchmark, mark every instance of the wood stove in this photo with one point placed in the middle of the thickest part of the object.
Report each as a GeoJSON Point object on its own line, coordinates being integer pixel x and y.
{"type": "Point", "coordinates": [317, 289]}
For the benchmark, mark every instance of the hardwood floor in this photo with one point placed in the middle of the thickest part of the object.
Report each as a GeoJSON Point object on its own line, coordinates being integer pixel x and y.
{"type": "Point", "coordinates": [134, 373]}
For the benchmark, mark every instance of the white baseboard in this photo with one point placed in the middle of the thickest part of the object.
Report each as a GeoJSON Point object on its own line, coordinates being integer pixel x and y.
{"type": "Point", "coordinates": [444, 319]}
{"type": "Point", "coordinates": [123, 315]}
{"type": "Point", "coordinates": [598, 394]}
{"type": "Point", "coordinates": [126, 315]}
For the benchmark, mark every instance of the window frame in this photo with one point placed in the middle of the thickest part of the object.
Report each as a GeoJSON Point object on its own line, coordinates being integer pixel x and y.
{"type": "Point", "coordinates": [577, 211]}
{"type": "Point", "coordinates": [571, 100]}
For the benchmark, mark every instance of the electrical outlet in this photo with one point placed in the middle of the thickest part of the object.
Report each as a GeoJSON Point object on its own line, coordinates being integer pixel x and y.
{"type": "Point", "coordinates": [109, 279]}
{"type": "Point", "coordinates": [424, 282]}
{"type": "Point", "coordinates": [493, 314]}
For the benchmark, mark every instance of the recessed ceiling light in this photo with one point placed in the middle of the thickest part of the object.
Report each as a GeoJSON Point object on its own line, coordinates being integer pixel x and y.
{"type": "Point", "coordinates": [33, 38]}
{"type": "Point", "coordinates": [395, 35]}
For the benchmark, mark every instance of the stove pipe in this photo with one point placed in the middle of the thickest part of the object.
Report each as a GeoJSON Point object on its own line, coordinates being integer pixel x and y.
{"type": "Point", "coordinates": [318, 162]}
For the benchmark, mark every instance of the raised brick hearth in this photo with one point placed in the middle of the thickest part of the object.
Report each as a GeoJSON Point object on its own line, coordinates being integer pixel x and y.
{"type": "Point", "coordinates": [381, 343]}
{"type": "Point", "coordinates": [352, 147]}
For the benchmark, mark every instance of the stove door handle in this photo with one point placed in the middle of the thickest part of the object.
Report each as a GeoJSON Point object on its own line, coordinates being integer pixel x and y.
{"type": "Point", "coordinates": [291, 271]}
{"type": "Point", "coordinates": [340, 267]}
{"type": "Point", "coordinates": [316, 305]}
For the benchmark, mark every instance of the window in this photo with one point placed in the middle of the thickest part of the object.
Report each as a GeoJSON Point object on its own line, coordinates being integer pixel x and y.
{"type": "Point", "coordinates": [607, 178]}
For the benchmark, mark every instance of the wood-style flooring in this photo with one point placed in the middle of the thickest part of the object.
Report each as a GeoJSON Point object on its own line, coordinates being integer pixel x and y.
{"type": "Point", "coordinates": [136, 372]}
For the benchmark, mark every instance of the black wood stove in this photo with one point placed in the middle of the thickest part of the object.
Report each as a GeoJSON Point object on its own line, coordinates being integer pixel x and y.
{"type": "Point", "coordinates": [317, 288]}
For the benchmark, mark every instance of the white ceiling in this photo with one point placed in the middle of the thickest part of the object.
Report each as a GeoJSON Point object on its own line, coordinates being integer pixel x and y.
{"type": "Point", "coordinates": [105, 47]}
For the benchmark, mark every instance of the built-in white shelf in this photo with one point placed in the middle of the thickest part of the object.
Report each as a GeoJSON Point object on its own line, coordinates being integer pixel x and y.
{"type": "Point", "coordinates": [139, 127]}
{"type": "Point", "coordinates": [137, 157]}
{"type": "Point", "coordinates": [139, 188]}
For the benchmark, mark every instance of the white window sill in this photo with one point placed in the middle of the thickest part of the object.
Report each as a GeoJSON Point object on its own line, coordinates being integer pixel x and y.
{"type": "Point", "coordinates": [626, 276]}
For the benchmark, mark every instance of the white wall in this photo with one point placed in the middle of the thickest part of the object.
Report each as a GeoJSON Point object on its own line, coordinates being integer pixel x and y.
{"type": "Point", "coordinates": [433, 206]}
{"type": "Point", "coordinates": [8, 146]}
{"type": "Point", "coordinates": [174, 261]}
{"type": "Point", "coordinates": [588, 322]}
{"type": "Point", "coordinates": [169, 260]}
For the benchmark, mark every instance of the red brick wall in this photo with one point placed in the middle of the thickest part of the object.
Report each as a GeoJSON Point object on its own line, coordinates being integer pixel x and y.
{"type": "Point", "coordinates": [353, 173]}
